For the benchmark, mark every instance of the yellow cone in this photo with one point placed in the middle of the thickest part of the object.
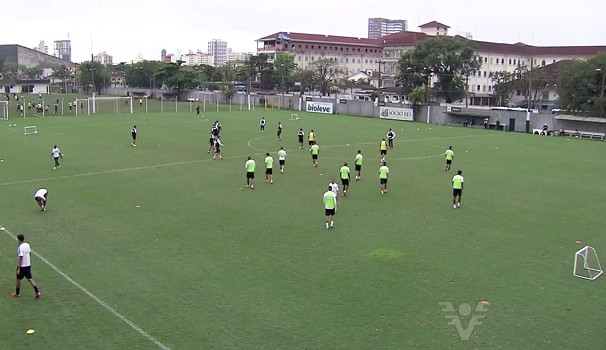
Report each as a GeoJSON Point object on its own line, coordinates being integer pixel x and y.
{"type": "Point", "coordinates": [30, 331]}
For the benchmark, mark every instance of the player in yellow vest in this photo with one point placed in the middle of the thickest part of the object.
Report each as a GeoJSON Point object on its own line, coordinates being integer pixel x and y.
{"type": "Point", "coordinates": [315, 150]}
{"type": "Point", "coordinates": [269, 168]}
{"type": "Point", "coordinates": [383, 175]}
{"type": "Point", "coordinates": [457, 189]}
{"type": "Point", "coordinates": [311, 138]}
{"type": "Point", "coordinates": [383, 150]}
{"type": "Point", "coordinates": [250, 172]}
{"type": "Point", "coordinates": [344, 172]}
{"type": "Point", "coordinates": [449, 155]}
{"type": "Point", "coordinates": [358, 165]}
{"type": "Point", "coordinates": [330, 204]}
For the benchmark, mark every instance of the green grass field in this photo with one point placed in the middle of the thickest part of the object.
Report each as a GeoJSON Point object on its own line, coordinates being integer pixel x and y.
{"type": "Point", "coordinates": [205, 264]}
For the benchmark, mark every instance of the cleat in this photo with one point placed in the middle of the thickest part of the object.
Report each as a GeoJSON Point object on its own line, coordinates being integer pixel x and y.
{"type": "Point", "coordinates": [38, 295]}
{"type": "Point", "coordinates": [13, 294]}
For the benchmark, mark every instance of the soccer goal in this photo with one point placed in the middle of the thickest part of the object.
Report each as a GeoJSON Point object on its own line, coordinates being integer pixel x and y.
{"type": "Point", "coordinates": [586, 264]}
{"type": "Point", "coordinates": [82, 106]}
{"type": "Point", "coordinates": [3, 110]}
{"type": "Point", "coordinates": [30, 130]}
{"type": "Point", "coordinates": [294, 117]}
{"type": "Point", "coordinates": [111, 105]}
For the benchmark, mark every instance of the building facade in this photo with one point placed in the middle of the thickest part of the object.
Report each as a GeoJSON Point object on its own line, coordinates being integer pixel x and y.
{"type": "Point", "coordinates": [197, 58]}
{"type": "Point", "coordinates": [218, 49]}
{"type": "Point", "coordinates": [237, 56]}
{"type": "Point", "coordinates": [103, 58]}
{"type": "Point", "coordinates": [352, 54]}
{"type": "Point", "coordinates": [63, 49]}
{"type": "Point", "coordinates": [380, 27]}
{"type": "Point", "coordinates": [42, 47]}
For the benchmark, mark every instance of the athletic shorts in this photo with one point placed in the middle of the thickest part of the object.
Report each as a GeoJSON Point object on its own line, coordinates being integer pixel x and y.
{"type": "Point", "coordinates": [282, 161]}
{"type": "Point", "coordinates": [217, 150]}
{"type": "Point", "coordinates": [314, 156]}
{"type": "Point", "coordinates": [329, 212]}
{"type": "Point", "coordinates": [250, 175]}
{"type": "Point", "coordinates": [300, 139]}
{"type": "Point", "coordinates": [358, 167]}
{"type": "Point", "coordinates": [311, 143]}
{"type": "Point", "coordinates": [345, 182]}
{"type": "Point", "coordinates": [383, 152]}
{"type": "Point", "coordinates": [448, 161]}
{"type": "Point", "coordinates": [211, 142]}
{"type": "Point", "coordinates": [383, 181]}
{"type": "Point", "coordinates": [269, 171]}
{"type": "Point", "coordinates": [25, 272]}
{"type": "Point", "coordinates": [457, 192]}
{"type": "Point", "coordinates": [133, 135]}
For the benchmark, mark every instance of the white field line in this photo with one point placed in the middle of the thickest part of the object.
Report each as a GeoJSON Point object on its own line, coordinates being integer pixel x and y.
{"type": "Point", "coordinates": [94, 297]}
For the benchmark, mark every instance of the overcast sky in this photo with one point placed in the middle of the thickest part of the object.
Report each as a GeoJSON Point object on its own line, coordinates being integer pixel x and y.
{"type": "Point", "coordinates": [126, 28]}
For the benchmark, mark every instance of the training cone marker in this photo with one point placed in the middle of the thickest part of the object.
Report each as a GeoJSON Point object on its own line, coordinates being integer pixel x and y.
{"type": "Point", "coordinates": [30, 331]}
{"type": "Point", "coordinates": [578, 242]}
{"type": "Point", "coordinates": [137, 206]}
{"type": "Point", "coordinates": [484, 301]}
{"type": "Point", "coordinates": [1, 228]}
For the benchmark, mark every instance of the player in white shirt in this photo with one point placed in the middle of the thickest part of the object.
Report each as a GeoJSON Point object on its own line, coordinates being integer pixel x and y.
{"type": "Point", "coordinates": [40, 197]}
{"type": "Point", "coordinates": [217, 146]}
{"type": "Point", "coordinates": [24, 267]}
{"type": "Point", "coordinates": [262, 124]}
{"type": "Point", "coordinates": [335, 190]}
{"type": "Point", "coordinates": [56, 154]}
{"type": "Point", "coordinates": [282, 159]}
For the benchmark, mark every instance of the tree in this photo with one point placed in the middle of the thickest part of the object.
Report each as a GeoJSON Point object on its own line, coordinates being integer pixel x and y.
{"type": "Point", "coordinates": [581, 86]}
{"type": "Point", "coordinates": [178, 77]}
{"type": "Point", "coordinates": [306, 78]}
{"type": "Point", "coordinates": [34, 72]}
{"type": "Point", "coordinates": [325, 70]}
{"type": "Point", "coordinates": [502, 86]}
{"type": "Point", "coordinates": [94, 75]}
{"type": "Point", "coordinates": [142, 74]}
{"type": "Point", "coordinates": [10, 71]}
{"type": "Point", "coordinates": [284, 68]}
{"type": "Point", "coordinates": [449, 60]}
{"type": "Point", "coordinates": [62, 73]}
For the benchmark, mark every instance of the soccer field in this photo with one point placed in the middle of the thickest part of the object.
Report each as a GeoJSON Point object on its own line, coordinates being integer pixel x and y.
{"type": "Point", "coordinates": [160, 247]}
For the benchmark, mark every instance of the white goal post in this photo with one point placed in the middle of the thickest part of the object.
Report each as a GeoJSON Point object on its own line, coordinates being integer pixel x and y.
{"type": "Point", "coordinates": [294, 116]}
{"type": "Point", "coordinates": [3, 110]}
{"type": "Point", "coordinates": [30, 130]}
{"type": "Point", "coordinates": [104, 105]}
{"type": "Point", "coordinates": [586, 264]}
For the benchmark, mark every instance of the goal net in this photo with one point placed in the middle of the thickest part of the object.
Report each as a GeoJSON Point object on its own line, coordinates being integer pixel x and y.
{"type": "Point", "coordinates": [294, 117]}
{"type": "Point", "coordinates": [111, 105]}
{"type": "Point", "coordinates": [30, 130]}
{"type": "Point", "coordinates": [586, 264]}
{"type": "Point", "coordinates": [3, 110]}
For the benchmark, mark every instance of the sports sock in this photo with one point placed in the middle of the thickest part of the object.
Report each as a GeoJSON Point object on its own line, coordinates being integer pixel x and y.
{"type": "Point", "coordinates": [36, 290]}
{"type": "Point", "coordinates": [17, 290]}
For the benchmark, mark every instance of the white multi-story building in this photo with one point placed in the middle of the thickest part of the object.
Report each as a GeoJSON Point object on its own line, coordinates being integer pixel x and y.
{"type": "Point", "coordinates": [218, 49]}
{"type": "Point", "coordinates": [42, 47]}
{"type": "Point", "coordinates": [197, 58]}
{"type": "Point", "coordinates": [351, 54]}
{"type": "Point", "coordinates": [494, 57]}
{"type": "Point", "coordinates": [237, 56]}
{"type": "Point", "coordinates": [380, 27]}
{"type": "Point", "coordinates": [103, 58]}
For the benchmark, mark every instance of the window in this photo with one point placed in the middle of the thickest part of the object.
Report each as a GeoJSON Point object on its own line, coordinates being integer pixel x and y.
{"type": "Point", "coordinates": [484, 73]}
{"type": "Point", "coordinates": [366, 50]}
{"type": "Point", "coordinates": [358, 49]}
{"type": "Point", "coordinates": [306, 58]}
{"type": "Point", "coordinates": [514, 62]}
{"type": "Point", "coordinates": [299, 58]}
{"type": "Point", "coordinates": [478, 88]}
{"type": "Point", "coordinates": [485, 60]}
{"type": "Point", "coordinates": [553, 61]}
{"type": "Point", "coordinates": [312, 58]}
{"type": "Point", "coordinates": [543, 63]}
{"type": "Point", "coordinates": [341, 48]}
{"type": "Point", "coordinates": [489, 88]}
{"type": "Point", "coordinates": [307, 46]}
{"type": "Point", "coordinates": [518, 92]}
{"type": "Point", "coordinates": [484, 88]}
{"type": "Point", "coordinates": [347, 49]}
{"type": "Point", "coordinates": [347, 60]}
{"type": "Point", "coordinates": [491, 60]}
{"type": "Point", "coordinates": [299, 45]}
{"type": "Point", "coordinates": [367, 60]}
{"type": "Point", "coordinates": [497, 61]}
{"type": "Point", "coordinates": [510, 61]}
{"type": "Point", "coordinates": [312, 46]}
{"type": "Point", "coordinates": [358, 60]}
